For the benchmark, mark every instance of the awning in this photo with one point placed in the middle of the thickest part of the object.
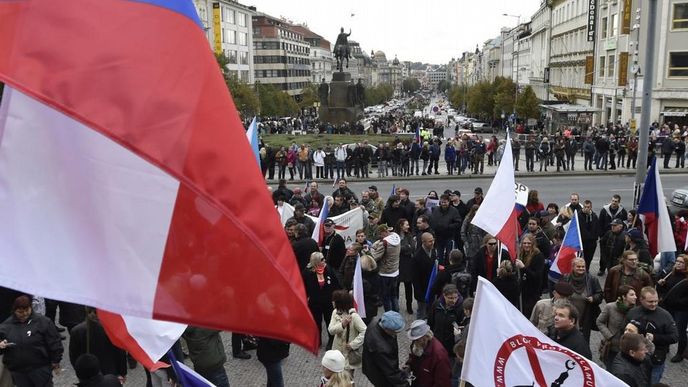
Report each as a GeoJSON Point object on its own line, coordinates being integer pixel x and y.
{"type": "Point", "coordinates": [571, 108]}
{"type": "Point", "coordinates": [675, 112]}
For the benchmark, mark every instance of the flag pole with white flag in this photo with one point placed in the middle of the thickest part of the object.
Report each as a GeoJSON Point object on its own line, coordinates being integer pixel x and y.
{"type": "Point", "coordinates": [359, 299]}
{"type": "Point", "coordinates": [515, 353]}
{"type": "Point", "coordinates": [252, 136]}
{"type": "Point", "coordinates": [497, 214]}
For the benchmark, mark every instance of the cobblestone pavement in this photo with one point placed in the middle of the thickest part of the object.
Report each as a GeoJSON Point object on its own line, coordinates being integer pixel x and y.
{"type": "Point", "coordinates": [302, 368]}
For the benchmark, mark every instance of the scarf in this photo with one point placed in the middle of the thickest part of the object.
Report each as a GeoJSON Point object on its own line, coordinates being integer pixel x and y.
{"type": "Point", "coordinates": [623, 308]}
{"type": "Point", "coordinates": [578, 283]}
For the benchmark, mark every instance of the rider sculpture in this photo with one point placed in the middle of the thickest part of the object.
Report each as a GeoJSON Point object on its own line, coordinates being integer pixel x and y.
{"type": "Point", "coordinates": [341, 49]}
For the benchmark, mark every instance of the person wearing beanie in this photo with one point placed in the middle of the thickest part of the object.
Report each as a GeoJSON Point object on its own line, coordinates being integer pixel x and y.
{"type": "Point", "coordinates": [31, 345]}
{"type": "Point", "coordinates": [586, 297]}
{"type": "Point", "coordinates": [334, 373]}
{"type": "Point", "coordinates": [381, 351]}
{"type": "Point", "coordinates": [543, 312]}
{"type": "Point", "coordinates": [87, 369]}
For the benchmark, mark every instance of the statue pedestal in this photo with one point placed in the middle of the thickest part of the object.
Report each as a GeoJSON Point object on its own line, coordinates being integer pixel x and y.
{"type": "Point", "coordinates": [340, 109]}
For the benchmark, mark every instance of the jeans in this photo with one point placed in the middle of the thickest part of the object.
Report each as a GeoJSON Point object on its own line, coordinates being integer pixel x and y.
{"type": "Point", "coordinates": [274, 373]}
{"type": "Point", "coordinates": [341, 169]}
{"type": "Point", "coordinates": [41, 376]}
{"type": "Point", "coordinates": [657, 372]}
{"type": "Point", "coordinates": [587, 163]}
{"type": "Point", "coordinates": [414, 163]}
{"type": "Point", "coordinates": [217, 377]}
{"type": "Point", "coordinates": [389, 292]}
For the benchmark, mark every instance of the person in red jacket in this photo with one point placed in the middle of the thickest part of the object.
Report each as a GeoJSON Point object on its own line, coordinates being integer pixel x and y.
{"type": "Point", "coordinates": [428, 361]}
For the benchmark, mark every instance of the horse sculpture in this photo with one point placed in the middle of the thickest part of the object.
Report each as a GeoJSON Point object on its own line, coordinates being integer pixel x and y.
{"type": "Point", "coordinates": [341, 49]}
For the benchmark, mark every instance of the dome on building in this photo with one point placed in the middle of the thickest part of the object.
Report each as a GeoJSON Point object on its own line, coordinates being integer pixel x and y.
{"type": "Point", "coordinates": [380, 57]}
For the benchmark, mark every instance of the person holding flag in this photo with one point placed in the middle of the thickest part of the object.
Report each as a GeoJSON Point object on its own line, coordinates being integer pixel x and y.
{"type": "Point", "coordinates": [424, 265]}
{"type": "Point", "coordinates": [320, 282]}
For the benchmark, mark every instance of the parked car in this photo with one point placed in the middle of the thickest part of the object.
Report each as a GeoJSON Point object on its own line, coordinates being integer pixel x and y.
{"type": "Point", "coordinates": [680, 197]}
{"type": "Point", "coordinates": [481, 127]}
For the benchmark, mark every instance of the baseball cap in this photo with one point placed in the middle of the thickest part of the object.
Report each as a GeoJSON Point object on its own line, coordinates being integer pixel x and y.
{"type": "Point", "coordinates": [328, 222]}
{"type": "Point", "coordinates": [373, 187]}
{"type": "Point", "coordinates": [617, 222]}
{"type": "Point", "coordinates": [384, 227]}
{"type": "Point", "coordinates": [634, 234]}
{"type": "Point", "coordinates": [418, 329]}
{"type": "Point", "coordinates": [393, 321]}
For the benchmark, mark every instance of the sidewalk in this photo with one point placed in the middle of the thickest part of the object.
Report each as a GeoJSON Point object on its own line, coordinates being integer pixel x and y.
{"type": "Point", "coordinates": [490, 171]}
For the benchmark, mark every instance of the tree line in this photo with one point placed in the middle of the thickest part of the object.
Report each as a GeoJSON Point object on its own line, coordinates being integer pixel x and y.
{"type": "Point", "coordinates": [488, 100]}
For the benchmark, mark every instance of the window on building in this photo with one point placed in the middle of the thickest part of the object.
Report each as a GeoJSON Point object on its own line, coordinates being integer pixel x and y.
{"type": "Point", "coordinates": [243, 57]}
{"type": "Point", "coordinates": [678, 64]}
{"type": "Point", "coordinates": [611, 63]}
{"type": "Point", "coordinates": [230, 36]}
{"type": "Point", "coordinates": [603, 34]}
{"type": "Point", "coordinates": [680, 17]}
{"type": "Point", "coordinates": [602, 66]}
{"type": "Point", "coordinates": [244, 75]}
{"type": "Point", "coordinates": [241, 19]}
{"type": "Point", "coordinates": [228, 16]}
{"type": "Point", "coordinates": [242, 39]}
{"type": "Point", "coordinates": [232, 55]}
{"type": "Point", "coordinates": [615, 25]}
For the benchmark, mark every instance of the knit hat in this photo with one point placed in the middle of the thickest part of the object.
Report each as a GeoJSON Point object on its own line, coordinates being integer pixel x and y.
{"type": "Point", "coordinates": [393, 321]}
{"type": "Point", "coordinates": [334, 361]}
{"type": "Point", "coordinates": [634, 234]}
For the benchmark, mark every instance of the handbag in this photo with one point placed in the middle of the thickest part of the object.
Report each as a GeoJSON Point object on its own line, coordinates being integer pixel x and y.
{"type": "Point", "coordinates": [355, 355]}
{"type": "Point", "coordinates": [605, 347]}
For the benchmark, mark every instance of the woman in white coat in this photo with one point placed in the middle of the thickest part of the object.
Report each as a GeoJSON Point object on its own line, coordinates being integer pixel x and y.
{"type": "Point", "coordinates": [348, 329]}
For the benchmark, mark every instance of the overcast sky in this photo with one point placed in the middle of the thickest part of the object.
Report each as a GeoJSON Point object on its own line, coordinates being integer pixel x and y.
{"type": "Point", "coordinates": [431, 31]}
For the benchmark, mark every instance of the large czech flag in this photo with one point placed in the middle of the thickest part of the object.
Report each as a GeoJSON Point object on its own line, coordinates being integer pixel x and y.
{"type": "Point", "coordinates": [124, 176]}
{"type": "Point", "coordinates": [654, 214]}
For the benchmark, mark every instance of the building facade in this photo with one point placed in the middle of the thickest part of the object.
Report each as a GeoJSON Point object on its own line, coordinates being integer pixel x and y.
{"type": "Point", "coordinates": [282, 56]}
{"type": "Point", "coordinates": [229, 30]}
{"type": "Point", "coordinates": [538, 77]}
{"type": "Point", "coordinates": [321, 55]}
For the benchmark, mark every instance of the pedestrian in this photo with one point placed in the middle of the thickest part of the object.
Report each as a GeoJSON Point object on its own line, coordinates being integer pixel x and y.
{"type": "Point", "coordinates": [673, 290]}
{"type": "Point", "coordinates": [543, 312]}
{"type": "Point", "coordinates": [386, 252]}
{"type": "Point", "coordinates": [90, 337]}
{"type": "Point", "coordinates": [334, 371]}
{"type": "Point", "coordinates": [589, 225]}
{"type": "Point", "coordinates": [612, 322]}
{"type": "Point", "coordinates": [655, 320]}
{"type": "Point", "coordinates": [612, 245]}
{"type": "Point", "coordinates": [320, 282]}
{"type": "Point", "coordinates": [270, 354]}
{"type": "Point", "coordinates": [381, 351]}
{"type": "Point", "coordinates": [544, 152]}
{"type": "Point", "coordinates": [403, 228]}
{"type": "Point", "coordinates": [88, 370]}
{"type": "Point", "coordinates": [531, 266]}
{"type": "Point", "coordinates": [625, 273]}
{"type": "Point", "coordinates": [565, 330]}
{"type": "Point", "coordinates": [428, 359]}
{"type": "Point", "coordinates": [348, 330]}
{"type": "Point", "coordinates": [207, 353]}
{"type": "Point", "coordinates": [444, 314]}
{"type": "Point", "coordinates": [586, 297]}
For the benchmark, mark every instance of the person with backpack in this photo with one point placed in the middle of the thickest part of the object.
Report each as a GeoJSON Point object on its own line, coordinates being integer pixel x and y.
{"type": "Point", "coordinates": [455, 273]}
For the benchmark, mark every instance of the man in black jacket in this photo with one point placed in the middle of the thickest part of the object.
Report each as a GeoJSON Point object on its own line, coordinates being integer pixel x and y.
{"type": "Point", "coordinates": [590, 231]}
{"type": "Point", "coordinates": [632, 365]}
{"type": "Point", "coordinates": [303, 246]}
{"type": "Point", "coordinates": [333, 248]}
{"type": "Point", "coordinates": [611, 211]}
{"type": "Point", "coordinates": [381, 351]}
{"type": "Point", "coordinates": [565, 330]}
{"type": "Point", "coordinates": [90, 337]}
{"type": "Point", "coordinates": [612, 245]}
{"type": "Point", "coordinates": [444, 314]}
{"type": "Point", "coordinates": [422, 264]}
{"type": "Point", "coordinates": [655, 320]}
{"type": "Point", "coordinates": [445, 220]}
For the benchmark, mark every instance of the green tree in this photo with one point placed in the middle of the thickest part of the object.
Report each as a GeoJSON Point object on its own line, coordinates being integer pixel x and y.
{"type": "Point", "coordinates": [480, 100]}
{"type": "Point", "coordinates": [245, 98]}
{"type": "Point", "coordinates": [410, 85]}
{"type": "Point", "coordinates": [443, 86]}
{"type": "Point", "coordinates": [276, 103]}
{"type": "Point", "coordinates": [378, 94]}
{"type": "Point", "coordinates": [309, 96]}
{"type": "Point", "coordinates": [504, 94]}
{"type": "Point", "coordinates": [528, 104]}
{"type": "Point", "coordinates": [457, 96]}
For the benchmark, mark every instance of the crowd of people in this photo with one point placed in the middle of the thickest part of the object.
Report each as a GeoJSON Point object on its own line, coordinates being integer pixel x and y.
{"type": "Point", "coordinates": [602, 148]}
{"type": "Point", "coordinates": [640, 309]}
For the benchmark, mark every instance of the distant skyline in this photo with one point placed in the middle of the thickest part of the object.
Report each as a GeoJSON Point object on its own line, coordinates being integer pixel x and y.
{"type": "Point", "coordinates": [432, 32]}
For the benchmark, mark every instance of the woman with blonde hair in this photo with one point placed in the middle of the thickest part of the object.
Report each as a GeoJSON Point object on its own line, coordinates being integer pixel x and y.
{"type": "Point", "coordinates": [320, 283]}
{"type": "Point", "coordinates": [348, 329]}
{"type": "Point", "coordinates": [531, 266]}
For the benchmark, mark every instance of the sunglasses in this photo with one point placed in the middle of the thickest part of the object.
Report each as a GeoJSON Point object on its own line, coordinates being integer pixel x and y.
{"type": "Point", "coordinates": [492, 243]}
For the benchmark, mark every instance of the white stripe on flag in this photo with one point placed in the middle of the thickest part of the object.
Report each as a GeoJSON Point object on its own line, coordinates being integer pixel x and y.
{"type": "Point", "coordinates": [80, 210]}
{"type": "Point", "coordinates": [358, 289]}
{"type": "Point", "coordinates": [153, 336]}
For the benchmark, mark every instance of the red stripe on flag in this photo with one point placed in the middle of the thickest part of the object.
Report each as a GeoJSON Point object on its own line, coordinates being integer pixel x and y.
{"type": "Point", "coordinates": [210, 277]}
{"type": "Point", "coordinates": [117, 331]}
{"type": "Point", "coordinates": [508, 234]}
